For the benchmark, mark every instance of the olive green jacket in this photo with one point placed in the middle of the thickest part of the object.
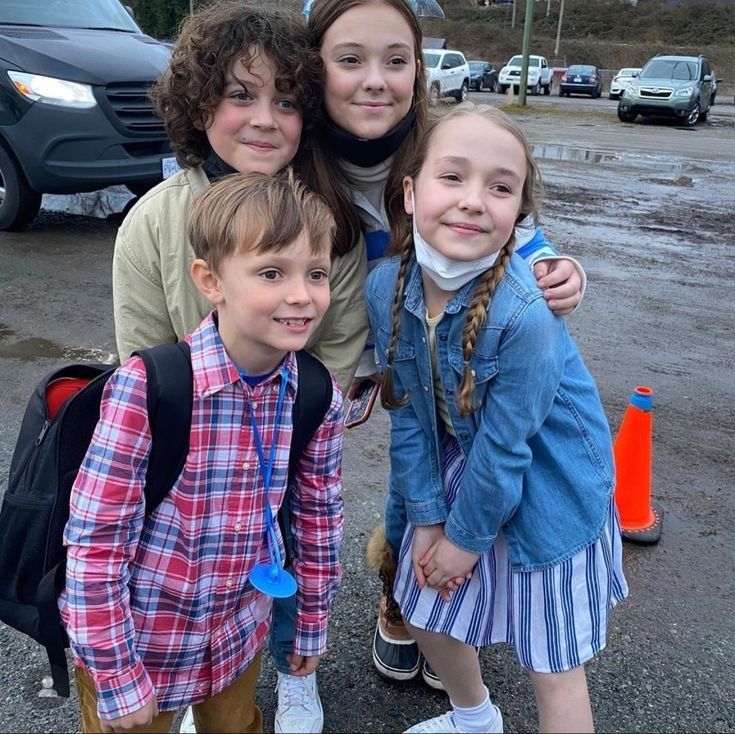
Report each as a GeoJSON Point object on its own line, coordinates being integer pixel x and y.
{"type": "Point", "coordinates": [155, 300]}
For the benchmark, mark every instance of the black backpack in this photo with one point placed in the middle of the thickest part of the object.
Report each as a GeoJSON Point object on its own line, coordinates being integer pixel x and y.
{"type": "Point", "coordinates": [47, 456]}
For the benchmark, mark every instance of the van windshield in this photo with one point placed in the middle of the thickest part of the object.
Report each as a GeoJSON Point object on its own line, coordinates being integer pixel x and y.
{"type": "Point", "coordinates": [107, 14]}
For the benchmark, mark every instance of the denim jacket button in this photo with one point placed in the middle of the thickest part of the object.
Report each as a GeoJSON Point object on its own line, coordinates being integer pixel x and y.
{"type": "Point", "coordinates": [442, 337]}
{"type": "Point", "coordinates": [473, 373]}
{"type": "Point", "coordinates": [463, 436]}
{"type": "Point", "coordinates": [426, 388]}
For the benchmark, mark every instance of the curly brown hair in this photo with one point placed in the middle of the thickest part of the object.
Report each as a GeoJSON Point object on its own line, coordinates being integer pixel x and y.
{"type": "Point", "coordinates": [209, 42]}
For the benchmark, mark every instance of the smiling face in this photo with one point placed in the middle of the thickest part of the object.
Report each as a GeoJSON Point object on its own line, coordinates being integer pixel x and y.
{"type": "Point", "coordinates": [269, 303]}
{"type": "Point", "coordinates": [370, 68]}
{"type": "Point", "coordinates": [255, 128]}
{"type": "Point", "coordinates": [468, 194]}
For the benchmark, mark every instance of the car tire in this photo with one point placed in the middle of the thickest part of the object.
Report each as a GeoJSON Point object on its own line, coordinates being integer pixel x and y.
{"type": "Point", "coordinates": [561, 94]}
{"type": "Point", "coordinates": [462, 94]}
{"type": "Point", "coordinates": [547, 90]}
{"type": "Point", "coordinates": [626, 115]}
{"type": "Point", "coordinates": [703, 115]}
{"type": "Point", "coordinates": [502, 89]}
{"type": "Point", "coordinates": [536, 89]}
{"type": "Point", "coordinates": [434, 95]}
{"type": "Point", "coordinates": [693, 116]}
{"type": "Point", "coordinates": [613, 96]}
{"type": "Point", "coordinates": [494, 86]}
{"type": "Point", "coordinates": [19, 203]}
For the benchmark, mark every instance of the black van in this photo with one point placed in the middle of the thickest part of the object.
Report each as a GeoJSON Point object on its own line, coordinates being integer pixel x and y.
{"type": "Point", "coordinates": [74, 112]}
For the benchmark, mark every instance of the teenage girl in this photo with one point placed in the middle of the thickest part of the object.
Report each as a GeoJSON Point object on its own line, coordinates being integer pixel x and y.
{"type": "Point", "coordinates": [499, 443]}
{"type": "Point", "coordinates": [376, 109]}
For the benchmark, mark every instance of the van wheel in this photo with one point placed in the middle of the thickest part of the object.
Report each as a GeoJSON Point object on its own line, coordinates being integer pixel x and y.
{"type": "Point", "coordinates": [463, 93]}
{"type": "Point", "coordinates": [536, 89]}
{"type": "Point", "coordinates": [139, 188]}
{"type": "Point", "coordinates": [19, 203]}
{"type": "Point", "coordinates": [434, 95]}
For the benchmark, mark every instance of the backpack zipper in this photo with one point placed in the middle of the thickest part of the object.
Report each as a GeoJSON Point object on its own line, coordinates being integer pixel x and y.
{"type": "Point", "coordinates": [44, 428]}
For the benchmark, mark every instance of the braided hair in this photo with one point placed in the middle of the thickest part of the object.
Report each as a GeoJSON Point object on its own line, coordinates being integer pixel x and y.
{"type": "Point", "coordinates": [486, 287]}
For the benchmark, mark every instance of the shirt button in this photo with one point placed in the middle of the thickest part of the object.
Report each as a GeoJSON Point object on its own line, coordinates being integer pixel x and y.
{"type": "Point", "coordinates": [255, 406]}
{"type": "Point", "coordinates": [228, 583]}
{"type": "Point", "coordinates": [426, 388]}
{"type": "Point", "coordinates": [238, 526]}
{"type": "Point", "coordinates": [245, 466]}
{"type": "Point", "coordinates": [473, 373]}
{"type": "Point", "coordinates": [274, 388]}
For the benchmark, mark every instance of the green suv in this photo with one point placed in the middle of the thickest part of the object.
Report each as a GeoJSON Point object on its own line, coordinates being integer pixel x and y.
{"type": "Point", "coordinates": [670, 86]}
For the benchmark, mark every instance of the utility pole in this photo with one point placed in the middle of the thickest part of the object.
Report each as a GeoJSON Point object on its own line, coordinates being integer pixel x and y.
{"type": "Point", "coordinates": [548, 7]}
{"type": "Point", "coordinates": [513, 16]}
{"type": "Point", "coordinates": [527, 22]}
{"type": "Point", "coordinates": [558, 30]}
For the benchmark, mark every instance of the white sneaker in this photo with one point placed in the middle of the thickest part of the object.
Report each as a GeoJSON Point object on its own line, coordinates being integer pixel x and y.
{"type": "Point", "coordinates": [299, 707]}
{"type": "Point", "coordinates": [187, 725]}
{"type": "Point", "coordinates": [444, 724]}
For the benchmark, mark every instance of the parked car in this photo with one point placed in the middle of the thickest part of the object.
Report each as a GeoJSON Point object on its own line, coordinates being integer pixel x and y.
{"type": "Point", "coordinates": [621, 80]}
{"type": "Point", "coordinates": [581, 79]}
{"type": "Point", "coordinates": [539, 75]}
{"type": "Point", "coordinates": [670, 86]}
{"type": "Point", "coordinates": [447, 74]}
{"type": "Point", "coordinates": [74, 111]}
{"type": "Point", "coordinates": [483, 75]}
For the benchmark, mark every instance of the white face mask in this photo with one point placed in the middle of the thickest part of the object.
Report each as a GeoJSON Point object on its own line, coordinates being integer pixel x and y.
{"type": "Point", "coordinates": [449, 275]}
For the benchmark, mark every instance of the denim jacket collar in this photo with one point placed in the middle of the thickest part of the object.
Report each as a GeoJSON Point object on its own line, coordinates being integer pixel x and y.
{"type": "Point", "coordinates": [413, 293]}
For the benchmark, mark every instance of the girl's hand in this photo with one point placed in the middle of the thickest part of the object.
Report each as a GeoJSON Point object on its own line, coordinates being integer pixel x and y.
{"type": "Point", "coordinates": [142, 717]}
{"type": "Point", "coordinates": [561, 283]}
{"type": "Point", "coordinates": [302, 665]}
{"type": "Point", "coordinates": [424, 537]}
{"type": "Point", "coordinates": [445, 563]}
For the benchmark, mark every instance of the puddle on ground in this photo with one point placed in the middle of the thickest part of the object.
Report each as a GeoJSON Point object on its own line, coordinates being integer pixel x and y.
{"type": "Point", "coordinates": [589, 155]}
{"type": "Point", "coordinates": [11, 347]}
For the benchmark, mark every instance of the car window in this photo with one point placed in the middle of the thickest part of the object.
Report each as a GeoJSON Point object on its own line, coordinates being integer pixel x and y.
{"type": "Point", "coordinates": [69, 14]}
{"type": "Point", "coordinates": [675, 69]}
{"type": "Point", "coordinates": [431, 59]}
{"type": "Point", "coordinates": [581, 70]}
{"type": "Point", "coordinates": [627, 72]}
{"type": "Point", "coordinates": [477, 65]}
{"type": "Point", "coordinates": [515, 61]}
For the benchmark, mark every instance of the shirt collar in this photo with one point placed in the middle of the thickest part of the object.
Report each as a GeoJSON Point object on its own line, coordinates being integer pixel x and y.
{"type": "Point", "coordinates": [214, 370]}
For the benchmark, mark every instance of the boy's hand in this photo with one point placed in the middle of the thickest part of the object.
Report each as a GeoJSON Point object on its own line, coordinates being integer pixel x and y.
{"type": "Point", "coordinates": [302, 665]}
{"type": "Point", "coordinates": [445, 563]}
{"type": "Point", "coordinates": [561, 283]}
{"type": "Point", "coordinates": [141, 717]}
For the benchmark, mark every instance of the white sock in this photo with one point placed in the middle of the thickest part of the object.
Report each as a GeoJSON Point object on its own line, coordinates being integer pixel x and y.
{"type": "Point", "coordinates": [477, 719]}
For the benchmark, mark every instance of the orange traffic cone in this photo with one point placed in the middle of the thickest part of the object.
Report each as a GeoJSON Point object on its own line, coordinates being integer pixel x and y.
{"type": "Point", "coordinates": [641, 519]}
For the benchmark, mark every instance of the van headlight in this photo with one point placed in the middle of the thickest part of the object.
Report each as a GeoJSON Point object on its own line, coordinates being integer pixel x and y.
{"type": "Point", "coordinates": [53, 91]}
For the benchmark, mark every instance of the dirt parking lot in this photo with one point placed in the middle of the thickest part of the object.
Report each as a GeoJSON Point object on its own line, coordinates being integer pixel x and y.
{"type": "Point", "coordinates": [648, 210]}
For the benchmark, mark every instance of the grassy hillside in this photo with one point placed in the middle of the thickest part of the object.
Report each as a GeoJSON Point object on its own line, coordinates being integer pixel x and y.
{"type": "Point", "coordinates": [608, 33]}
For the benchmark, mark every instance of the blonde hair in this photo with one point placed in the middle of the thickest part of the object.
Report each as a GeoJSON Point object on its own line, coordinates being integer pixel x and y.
{"type": "Point", "coordinates": [256, 211]}
{"type": "Point", "coordinates": [489, 282]}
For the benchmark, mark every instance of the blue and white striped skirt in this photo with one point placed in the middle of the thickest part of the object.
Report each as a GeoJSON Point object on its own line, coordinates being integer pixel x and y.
{"type": "Point", "coordinates": [556, 619]}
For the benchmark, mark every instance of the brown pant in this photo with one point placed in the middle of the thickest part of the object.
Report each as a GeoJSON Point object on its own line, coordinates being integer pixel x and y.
{"type": "Point", "coordinates": [232, 710]}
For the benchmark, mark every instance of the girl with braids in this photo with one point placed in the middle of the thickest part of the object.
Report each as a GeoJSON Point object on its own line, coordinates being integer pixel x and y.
{"type": "Point", "coordinates": [375, 110]}
{"type": "Point", "coordinates": [500, 449]}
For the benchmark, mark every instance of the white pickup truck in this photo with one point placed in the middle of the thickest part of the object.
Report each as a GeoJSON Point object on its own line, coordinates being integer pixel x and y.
{"type": "Point", "coordinates": [540, 75]}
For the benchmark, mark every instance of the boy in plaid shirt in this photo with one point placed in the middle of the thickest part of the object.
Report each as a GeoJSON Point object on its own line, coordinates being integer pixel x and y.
{"type": "Point", "coordinates": [159, 609]}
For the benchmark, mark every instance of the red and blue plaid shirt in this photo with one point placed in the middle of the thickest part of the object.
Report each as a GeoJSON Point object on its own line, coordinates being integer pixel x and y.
{"type": "Point", "coordinates": [162, 606]}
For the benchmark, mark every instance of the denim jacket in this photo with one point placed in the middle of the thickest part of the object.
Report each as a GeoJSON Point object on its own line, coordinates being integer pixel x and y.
{"type": "Point", "coordinates": [538, 447]}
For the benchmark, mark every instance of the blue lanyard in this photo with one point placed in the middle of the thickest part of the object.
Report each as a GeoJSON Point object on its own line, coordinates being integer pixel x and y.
{"type": "Point", "coordinates": [266, 468]}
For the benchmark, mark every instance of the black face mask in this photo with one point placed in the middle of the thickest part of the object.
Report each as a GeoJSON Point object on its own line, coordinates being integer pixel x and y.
{"type": "Point", "coordinates": [367, 153]}
{"type": "Point", "coordinates": [215, 168]}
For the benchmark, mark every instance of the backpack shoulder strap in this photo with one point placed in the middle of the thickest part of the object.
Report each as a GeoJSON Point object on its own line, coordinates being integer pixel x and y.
{"type": "Point", "coordinates": [169, 396]}
{"type": "Point", "coordinates": [313, 398]}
